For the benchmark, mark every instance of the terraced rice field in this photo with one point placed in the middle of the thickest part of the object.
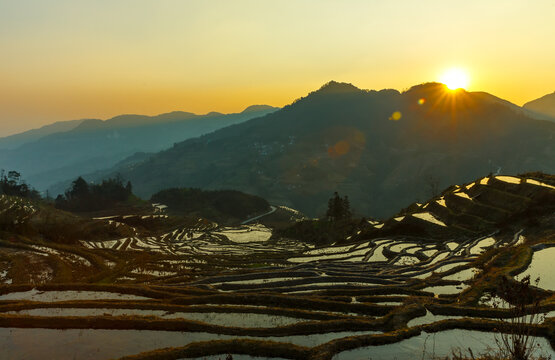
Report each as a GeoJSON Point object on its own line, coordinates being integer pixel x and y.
{"type": "Point", "coordinates": [203, 291]}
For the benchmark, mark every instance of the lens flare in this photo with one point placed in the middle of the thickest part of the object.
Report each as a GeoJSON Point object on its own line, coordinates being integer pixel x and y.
{"type": "Point", "coordinates": [396, 116]}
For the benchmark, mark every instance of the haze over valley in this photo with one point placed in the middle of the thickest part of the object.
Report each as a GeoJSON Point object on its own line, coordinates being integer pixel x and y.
{"type": "Point", "coordinates": [337, 138]}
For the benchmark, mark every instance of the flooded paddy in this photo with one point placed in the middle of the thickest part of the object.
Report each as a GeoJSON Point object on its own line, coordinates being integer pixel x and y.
{"type": "Point", "coordinates": [463, 275]}
{"type": "Point", "coordinates": [31, 344]}
{"type": "Point", "coordinates": [445, 289]}
{"type": "Point", "coordinates": [246, 320]}
{"type": "Point", "coordinates": [542, 268]}
{"type": "Point", "coordinates": [430, 318]}
{"type": "Point", "coordinates": [429, 217]}
{"type": "Point", "coordinates": [232, 283]}
{"type": "Point", "coordinates": [482, 246]}
{"type": "Point", "coordinates": [436, 345]}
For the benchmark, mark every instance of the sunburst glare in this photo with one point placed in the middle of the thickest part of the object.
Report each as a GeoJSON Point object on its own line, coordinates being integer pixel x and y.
{"type": "Point", "coordinates": [455, 78]}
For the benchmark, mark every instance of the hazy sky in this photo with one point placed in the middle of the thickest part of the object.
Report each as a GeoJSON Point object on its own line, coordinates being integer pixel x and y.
{"type": "Point", "coordinates": [62, 60]}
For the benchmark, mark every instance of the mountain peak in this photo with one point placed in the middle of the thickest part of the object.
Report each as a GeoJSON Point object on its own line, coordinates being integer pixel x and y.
{"type": "Point", "coordinates": [214, 113]}
{"type": "Point", "coordinates": [254, 108]}
{"type": "Point", "coordinates": [89, 124]}
{"type": "Point", "coordinates": [429, 87]}
{"type": "Point", "coordinates": [334, 87]}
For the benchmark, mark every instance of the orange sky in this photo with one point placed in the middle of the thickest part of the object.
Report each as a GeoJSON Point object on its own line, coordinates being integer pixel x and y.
{"type": "Point", "coordinates": [63, 60]}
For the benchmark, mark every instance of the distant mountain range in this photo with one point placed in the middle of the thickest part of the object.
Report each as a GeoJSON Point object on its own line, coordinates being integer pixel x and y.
{"type": "Point", "coordinates": [65, 150]}
{"type": "Point", "coordinates": [522, 110]}
{"type": "Point", "coordinates": [384, 149]}
{"type": "Point", "coordinates": [15, 141]}
{"type": "Point", "coordinates": [544, 106]}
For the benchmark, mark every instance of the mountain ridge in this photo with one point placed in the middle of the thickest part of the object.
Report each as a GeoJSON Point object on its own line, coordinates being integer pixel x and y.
{"type": "Point", "coordinates": [543, 106]}
{"type": "Point", "coordinates": [382, 148]}
{"type": "Point", "coordinates": [15, 140]}
{"type": "Point", "coordinates": [97, 144]}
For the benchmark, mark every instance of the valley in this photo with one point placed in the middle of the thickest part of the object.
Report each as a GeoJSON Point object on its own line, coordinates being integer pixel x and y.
{"type": "Point", "coordinates": [157, 286]}
{"type": "Point", "coordinates": [277, 180]}
{"type": "Point", "coordinates": [342, 138]}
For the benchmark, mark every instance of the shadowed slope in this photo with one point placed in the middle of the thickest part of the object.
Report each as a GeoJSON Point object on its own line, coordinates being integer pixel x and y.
{"type": "Point", "coordinates": [544, 106]}
{"type": "Point", "coordinates": [96, 144]}
{"type": "Point", "coordinates": [382, 148]}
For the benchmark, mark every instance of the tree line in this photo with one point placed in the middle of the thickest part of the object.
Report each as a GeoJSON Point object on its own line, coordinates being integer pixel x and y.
{"type": "Point", "coordinates": [11, 183]}
{"type": "Point", "coordinates": [82, 196]}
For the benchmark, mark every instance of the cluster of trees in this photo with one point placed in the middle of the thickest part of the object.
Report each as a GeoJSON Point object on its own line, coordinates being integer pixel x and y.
{"type": "Point", "coordinates": [82, 196]}
{"type": "Point", "coordinates": [335, 226]}
{"type": "Point", "coordinates": [219, 205]}
{"type": "Point", "coordinates": [339, 208]}
{"type": "Point", "coordinates": [11, 183]}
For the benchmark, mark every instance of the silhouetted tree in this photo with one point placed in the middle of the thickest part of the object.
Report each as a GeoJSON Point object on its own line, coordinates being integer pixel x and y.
{"type": "Point", "coordinates": [338, 208]}
{"type": "Point", "coordinates": [79, 189]}
{"type": "Point", "coordinates": [47, 197]}
{"type": "Point", "coordinates": [433, 185]}
{"type": "Point", "coordinates": [129, 187]}
{"type": "Point", "coordinates": [12, 184]}
{"type": "Point", "coordinates": [60, 201]}
{"type": "Point", "coordinates": [13, 177]}
{"type": "Point", "coordinates": [346, 208]}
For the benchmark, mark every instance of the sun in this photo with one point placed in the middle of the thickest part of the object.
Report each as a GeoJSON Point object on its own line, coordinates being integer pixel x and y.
{"type": "Point", "coordinates": [455, 78]}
